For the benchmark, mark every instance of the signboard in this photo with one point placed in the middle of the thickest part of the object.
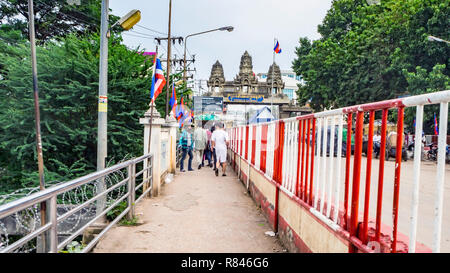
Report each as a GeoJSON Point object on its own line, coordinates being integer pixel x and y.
{"type": "Point", "coordinates": [204, 105]}
{"type": "Point", "coordinates": [246, 98]}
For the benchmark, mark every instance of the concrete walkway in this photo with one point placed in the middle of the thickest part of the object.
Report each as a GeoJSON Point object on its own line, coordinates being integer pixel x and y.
{"type": "Point", "coordinates": [197, 212]}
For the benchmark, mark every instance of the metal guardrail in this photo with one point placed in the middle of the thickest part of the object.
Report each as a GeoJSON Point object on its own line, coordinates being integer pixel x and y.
{"type": "Point", "coordinates": [49, 233]}
{"type": "Point", "coordinates": [293, 152]}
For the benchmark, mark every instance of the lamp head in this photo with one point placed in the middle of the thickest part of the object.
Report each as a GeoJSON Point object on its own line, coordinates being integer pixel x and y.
{"type": "Point", "coordinates": [130, 19]}
{"type": "Point", "coordinates": [229, 28]}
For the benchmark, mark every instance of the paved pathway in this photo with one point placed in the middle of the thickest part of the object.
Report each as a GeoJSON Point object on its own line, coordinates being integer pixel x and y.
{"type": "Point", "coordinates": [197, 212]}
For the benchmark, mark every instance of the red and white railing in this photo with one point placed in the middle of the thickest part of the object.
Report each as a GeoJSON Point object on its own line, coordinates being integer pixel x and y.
{"type": "Point", "coordinates": [293, 153]}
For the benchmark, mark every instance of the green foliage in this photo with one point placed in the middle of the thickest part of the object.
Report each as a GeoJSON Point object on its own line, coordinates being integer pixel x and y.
{"type": "Point", "coordinates": [54, 17]}
{"type": "Point", "coordinates": [73, 247]}
{"type": "Point", "coordinates": [68, 92]}
{"type": "Point", "coordinates": [420, 82]}
{"type": "Point", "coordinates": [131, 222]}
{"type": "Point", "coordinates": [116, 211]}
{"type": "Point", "coordinates": [370, 53]}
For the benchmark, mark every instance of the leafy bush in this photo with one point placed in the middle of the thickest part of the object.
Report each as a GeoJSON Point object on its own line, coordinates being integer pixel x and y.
{"type": "Point", "coordinates": [68, 90]}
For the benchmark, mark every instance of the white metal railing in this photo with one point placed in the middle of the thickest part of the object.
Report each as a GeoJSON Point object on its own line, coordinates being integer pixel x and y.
{"type": "Point", "coordinates": [49, 231]}
{"type": "Point", "coordinates": [311, 165]}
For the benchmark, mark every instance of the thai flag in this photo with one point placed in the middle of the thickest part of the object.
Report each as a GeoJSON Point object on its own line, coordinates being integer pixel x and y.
{"type": "Point", "coordinates": [158, 81]}
{"type": "Point", "coordinates": [277, 48]}
{"type": "Point", "coordinates": [173, 101]}
{"type": "Point", "coordinates": [436, 129]}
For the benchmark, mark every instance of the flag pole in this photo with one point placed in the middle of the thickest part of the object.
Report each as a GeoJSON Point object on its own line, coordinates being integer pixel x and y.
{"type": "Point", "coordinates": [151, 102]}
{"type": "Point", "coordinates": [170, 113]}
{"type": "Point", "coordinates": [271, 88]}
{"type": "Point", "coordinates": [145, 186]}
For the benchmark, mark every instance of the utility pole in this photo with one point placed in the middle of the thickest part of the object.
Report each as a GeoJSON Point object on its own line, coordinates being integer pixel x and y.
{"type": "Point", "coordinates": [37, 117]}
{"type": "Point", "coordinates": [168, 60]}
{"type": "Point", "coordinates": [102, 148]}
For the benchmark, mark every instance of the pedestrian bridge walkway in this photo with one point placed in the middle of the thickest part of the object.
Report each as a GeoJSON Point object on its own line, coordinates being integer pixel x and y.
{"type": "Point", "coordinates": [196, 212]}
{"type": "Point", "coordinates": [290, 181]}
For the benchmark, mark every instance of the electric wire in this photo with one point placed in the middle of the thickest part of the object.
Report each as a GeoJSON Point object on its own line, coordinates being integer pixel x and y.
{"type": "Point", "coordinates": [139, 36]}
{"type": "Point", "coordinates": [147, 28]}
{"type": "Point", "coordinates": [144, 34]}
{"type": "Point", "coordinates": [73, 17]}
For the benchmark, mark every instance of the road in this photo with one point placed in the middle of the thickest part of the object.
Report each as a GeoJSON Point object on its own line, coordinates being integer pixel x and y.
{"type": "Point", "coordinates": [427, 197]}
{"type": "Point", "coordinates": [197, 212]}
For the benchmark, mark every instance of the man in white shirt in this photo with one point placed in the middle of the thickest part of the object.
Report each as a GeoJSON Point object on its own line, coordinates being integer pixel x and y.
{"type": "Point", "coordinates": [200, 139]}
{"type": "Point", "coordinates": [220, 141]}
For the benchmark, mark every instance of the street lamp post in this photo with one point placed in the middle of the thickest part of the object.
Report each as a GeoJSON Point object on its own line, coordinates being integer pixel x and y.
{"type": "Point", "coordinates": [126, 22]}
{"type": "Point", "coordinates": [228, 28]}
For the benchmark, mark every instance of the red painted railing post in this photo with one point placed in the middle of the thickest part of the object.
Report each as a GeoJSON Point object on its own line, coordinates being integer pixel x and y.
{"type": "Point", "coordinates": [398, 167]}
{"type": "Point", "coordinates": [253, 145]}
{"type": "Point", "coordinates": [381, 174]}
{"type": "Point", "coordinates": [356, 176]}
{"type": "Point", "coordinates": [313, 142]}
{"type": "Point", "coordinates": [368, 173]}
{"type": "Point", "coordinates": [280, 152]}
{"type": "Point", "coordinates": [307, 158]}
{"type": "Point", "coordinates": [279, 143]}
{"type": "Point", "coordinates": [303, 181]}
{"type": "Point", "coordinates": [276, 151]}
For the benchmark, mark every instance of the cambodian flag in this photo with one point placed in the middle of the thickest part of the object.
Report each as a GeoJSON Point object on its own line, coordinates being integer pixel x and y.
{"type": "Point", "coordinates": [158, 81]}
{"type": "Point", "coordinates": [436, 129]}
{"type": "Point", "coordinates": [277, 48]}
{"type": "Point", "coordinates": [173, 101]}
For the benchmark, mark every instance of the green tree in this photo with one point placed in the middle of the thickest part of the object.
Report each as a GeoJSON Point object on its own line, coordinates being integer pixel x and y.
{"type": "Point", "coordinates": [68, 89]}
{"type": "Point", "coordinates": [420, 82]}
{"type": "Point", "coordinates": [53, 17]}
{"type": "Point", "coordinates": [369, 53]}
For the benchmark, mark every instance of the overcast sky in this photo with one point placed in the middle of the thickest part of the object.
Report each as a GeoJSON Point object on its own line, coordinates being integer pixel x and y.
{"type": "Point", "coordinates": [256, 23]}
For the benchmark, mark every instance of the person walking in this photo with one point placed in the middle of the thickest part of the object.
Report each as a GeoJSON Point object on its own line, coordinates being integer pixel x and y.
{"type": "Point", "coordinates": [213, 151]}
{"type": "Point", "coordinates": [208, 151]}
{"type": "Point", "coordinates": [220, 142]}
{"type": "Point", "coordinates": [187, 144]}
{"type": "Point", "coordinates": [200, 139]}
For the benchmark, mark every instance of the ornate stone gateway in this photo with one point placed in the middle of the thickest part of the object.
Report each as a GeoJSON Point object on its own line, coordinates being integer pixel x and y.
{"type": "Point", "coordinates": [246, 89]}
{"type": "Point", "coordinates": [245, 82]}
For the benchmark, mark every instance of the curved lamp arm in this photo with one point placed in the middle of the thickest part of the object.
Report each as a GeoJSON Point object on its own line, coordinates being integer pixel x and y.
{"type": "Point", "coordinates": [228, 28]}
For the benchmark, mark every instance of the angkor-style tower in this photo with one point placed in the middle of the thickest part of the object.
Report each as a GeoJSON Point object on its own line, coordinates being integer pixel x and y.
{"type": "Point", "coordinates": [246, 79]}
{"type": "Point", "coordinates": [217, 78]}
{"type": "Point", "coordinates": [278, 83]}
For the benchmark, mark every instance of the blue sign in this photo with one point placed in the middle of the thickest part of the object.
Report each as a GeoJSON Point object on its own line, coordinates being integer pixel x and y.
{"type": "Point", "coordinates": [246, 98]}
